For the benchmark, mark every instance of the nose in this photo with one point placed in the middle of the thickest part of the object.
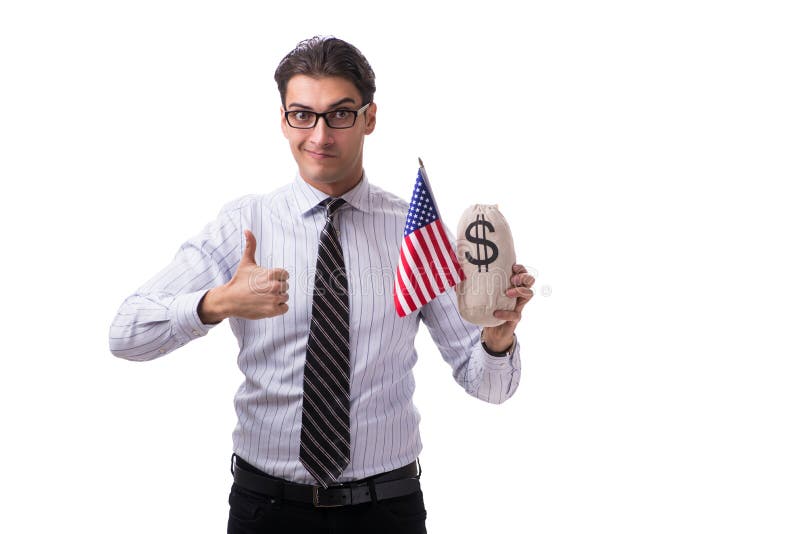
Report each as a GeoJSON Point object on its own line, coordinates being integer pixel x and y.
{"type": "Point", "coordinates": [321, 134]}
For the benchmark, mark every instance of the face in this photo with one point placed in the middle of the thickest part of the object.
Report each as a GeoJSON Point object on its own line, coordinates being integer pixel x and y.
{"type": "Point", "coordinates": [327, 158]}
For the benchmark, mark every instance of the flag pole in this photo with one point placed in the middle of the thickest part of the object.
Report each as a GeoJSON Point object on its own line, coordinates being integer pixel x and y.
{"type": "Point", "coordinates": [424, 175]}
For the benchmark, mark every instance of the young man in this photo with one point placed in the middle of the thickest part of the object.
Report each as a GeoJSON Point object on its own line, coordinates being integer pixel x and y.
{"type": "Point", "coordinates": [327, 436]}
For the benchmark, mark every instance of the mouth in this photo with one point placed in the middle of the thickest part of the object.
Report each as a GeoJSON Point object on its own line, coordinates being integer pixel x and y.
{"type": "Point", "coordinates": [318, 155]}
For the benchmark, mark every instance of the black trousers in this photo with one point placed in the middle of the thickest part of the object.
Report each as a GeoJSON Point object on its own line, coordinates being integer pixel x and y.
{"type": "Point", "coordinates": [255, 513]}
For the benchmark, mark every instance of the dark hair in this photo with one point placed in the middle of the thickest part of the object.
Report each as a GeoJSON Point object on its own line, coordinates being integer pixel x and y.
{"type": "Point", "coordinates": [327, 56]}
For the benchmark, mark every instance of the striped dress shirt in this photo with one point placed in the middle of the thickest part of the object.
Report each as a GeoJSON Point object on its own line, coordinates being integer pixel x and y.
{"type": "Point", "coordinates": [162, 316]}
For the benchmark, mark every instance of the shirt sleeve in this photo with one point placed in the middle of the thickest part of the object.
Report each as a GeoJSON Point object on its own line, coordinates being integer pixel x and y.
{"type": "Point", "coordinates": [490, 378]}
{"type": "Point", "coordinates": [162, 314]}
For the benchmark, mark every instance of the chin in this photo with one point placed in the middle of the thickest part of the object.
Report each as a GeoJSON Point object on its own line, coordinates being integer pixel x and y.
{"type": "Point", "coordinates": [319, 173]}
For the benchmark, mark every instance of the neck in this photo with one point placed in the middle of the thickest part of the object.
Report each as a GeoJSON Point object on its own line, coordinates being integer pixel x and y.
{"type": "Point", "coordinates": [338, 188]}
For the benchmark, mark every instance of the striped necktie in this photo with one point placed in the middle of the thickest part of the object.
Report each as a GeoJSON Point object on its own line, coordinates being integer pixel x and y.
{"type": "Point", "coordinates": [325, 431]}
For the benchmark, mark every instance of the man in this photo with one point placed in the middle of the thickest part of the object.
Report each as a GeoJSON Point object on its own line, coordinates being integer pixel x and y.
{"type": "Point", "coordinates": [327, 436]}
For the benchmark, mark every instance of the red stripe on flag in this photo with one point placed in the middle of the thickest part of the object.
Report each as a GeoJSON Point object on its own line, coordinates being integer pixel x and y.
{"type": "Point", "coordinates": [435, 269]}
{"type": "Point", "coordinates": [436, 249]}
{"type": "Point", "coordinates": [398, 305]}
{"type": "Point", "coordinates": [452, 254]}
{"type": "Point", "coordinates": [446, 267]}
{"type": "Point", "coordinates": [405, 291]}
{"type": "Point", "coordinates": [414, 284]}
{"type": "Point", "coordinates": [407, 281]}
{"type": "Point", "coordinates": [414, 249]}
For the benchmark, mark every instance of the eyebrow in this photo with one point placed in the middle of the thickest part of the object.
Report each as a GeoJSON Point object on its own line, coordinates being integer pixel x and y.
{"type": "Point", "coordinates": [332, 106]}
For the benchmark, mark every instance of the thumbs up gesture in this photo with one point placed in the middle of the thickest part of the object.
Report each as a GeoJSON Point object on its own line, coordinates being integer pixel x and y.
{"type": "Point", "coordinates": [253, 293]}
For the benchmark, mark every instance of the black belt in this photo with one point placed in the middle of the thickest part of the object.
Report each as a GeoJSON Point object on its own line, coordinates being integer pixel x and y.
{"type": "Point", "coordinates": [402, 481]}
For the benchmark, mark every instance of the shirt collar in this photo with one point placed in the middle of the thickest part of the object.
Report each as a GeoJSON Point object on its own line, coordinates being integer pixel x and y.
{"type": "Point", "coordinates": [309, 197]}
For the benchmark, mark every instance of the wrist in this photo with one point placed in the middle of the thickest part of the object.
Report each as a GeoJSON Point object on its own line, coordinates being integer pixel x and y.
{"type": "Point", "coordinates": [498, 347]}
{"type": "Point", "coordinates": [211, 308]}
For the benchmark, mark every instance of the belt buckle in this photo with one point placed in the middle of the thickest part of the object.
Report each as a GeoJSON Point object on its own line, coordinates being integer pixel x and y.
{"type": "Point", "coordinates": [315, 499]}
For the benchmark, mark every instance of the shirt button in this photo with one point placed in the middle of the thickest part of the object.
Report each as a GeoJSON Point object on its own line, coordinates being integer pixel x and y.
{"type": "Point", "coordinates": [162, 351]}
{"type": "Point", "coordinates": [195, 332]}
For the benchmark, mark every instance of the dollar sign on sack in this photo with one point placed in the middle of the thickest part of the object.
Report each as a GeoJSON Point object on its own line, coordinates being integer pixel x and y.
{"type": "Point", "coordinates": [481, 224]}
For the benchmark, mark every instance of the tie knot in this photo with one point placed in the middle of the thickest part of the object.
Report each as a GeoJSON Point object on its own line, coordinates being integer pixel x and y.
{"type": "Point", "coordinates": [332, 204]}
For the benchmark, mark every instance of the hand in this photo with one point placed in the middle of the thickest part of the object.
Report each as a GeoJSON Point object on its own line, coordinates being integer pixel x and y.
{"type": "Point", "coordinates": [499, 338]}
{"type": "Point", "coordinates": [252, 293]}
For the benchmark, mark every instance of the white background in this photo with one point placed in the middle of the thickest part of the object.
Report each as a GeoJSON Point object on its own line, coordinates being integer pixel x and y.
{"type": "Point", "coordinates": [644, 153]}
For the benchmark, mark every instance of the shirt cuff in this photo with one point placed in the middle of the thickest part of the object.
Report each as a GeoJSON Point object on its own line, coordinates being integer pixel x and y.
{"type": "Point", "coordinates": [499, 363]}
{"type": "Point", "coordinates": [183, 314]}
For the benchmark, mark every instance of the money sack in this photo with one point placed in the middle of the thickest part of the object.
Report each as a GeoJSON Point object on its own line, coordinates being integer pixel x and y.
{"type": "Point", "coordinates": [485, 251]}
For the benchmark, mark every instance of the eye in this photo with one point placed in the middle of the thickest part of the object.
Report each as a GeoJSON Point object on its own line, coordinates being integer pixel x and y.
{"type": "Point", "coordinates": [341, 114]}
{"type": "Point", "coordinates": [301, 116]}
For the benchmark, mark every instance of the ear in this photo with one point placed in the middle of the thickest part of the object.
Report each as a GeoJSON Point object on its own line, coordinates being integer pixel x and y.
{"type": "Point", "coordinates": [371, 111]}
{"type": "Point", "coordinates": [284, 126]}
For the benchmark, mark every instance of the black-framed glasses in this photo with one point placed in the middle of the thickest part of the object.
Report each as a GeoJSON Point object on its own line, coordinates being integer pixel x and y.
{"type": "Point", "coordinates": [338, 118]}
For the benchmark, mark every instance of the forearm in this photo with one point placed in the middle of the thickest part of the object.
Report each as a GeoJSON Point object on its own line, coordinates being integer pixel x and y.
{"type": "Point", "coordinates": [150, 326]}
{"type": "Point", "coordinates": [163, 314]}
{"type": "Point", "coordinates": [490, 378]}
{"type": "Point", "coordinates": [497, 346]}
{"type": "Point", "coordinates": [494, 378]}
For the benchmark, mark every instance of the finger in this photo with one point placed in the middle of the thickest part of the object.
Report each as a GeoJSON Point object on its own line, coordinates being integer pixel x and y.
{"type": "Point", "coordinates": [278, 275]}
{"type": "Point", "coordinates": [523, 279]}
{"type": "Point", "coordinates": [521, 304]}
{"type": "Point", "coordinates": [275, 309]}
{"type": "Point", "coordinates": [520, 292]}
{"type": "Point", "coordinates": [249, 256]}
{"type": "Point", "coordinates": [508, 315]}
{"type": "Point", "coordinates": [277, 287]}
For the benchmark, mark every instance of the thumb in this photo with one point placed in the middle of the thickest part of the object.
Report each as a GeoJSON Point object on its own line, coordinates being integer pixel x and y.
{"type": "Point", "coordinates": [249, 256]}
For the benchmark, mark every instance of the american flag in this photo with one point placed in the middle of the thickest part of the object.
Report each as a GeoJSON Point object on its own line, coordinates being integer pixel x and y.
{"type": "Point", "coordinates": [428, 264]}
